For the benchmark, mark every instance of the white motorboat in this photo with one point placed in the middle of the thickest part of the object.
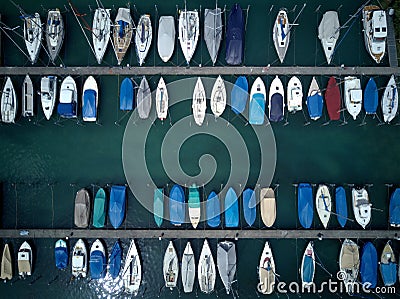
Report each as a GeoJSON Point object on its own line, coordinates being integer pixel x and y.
{"type": "Point", "coordinates": [307, 270]}
{"type": "Point", "coordinates": [132, 271]}
{"type": "Point", "coordinates": [27, 97]}
{"type": "Point", "coordinates": [68, 105]}
{"type": "Point", "coordinates": [122, 33]}
{"type": "Point", "coordinates": [79, 259]}
{"type": "Point", "coordinates": [143, 37]}
{"type": "Point", "coordinates": [323, 202]}
{"type": "Point", "coordinates": [349, 264]}
{"type": "Point", "coordinates": [9, 102]}
{"type": "Point", "coordinates": [218, 97]}
{"type": "Point", "coordinates": [101, 30]}
{"type": "Point", "coordinates": [206, 273]}
{"type": "Point", "coordinates": [266, 271]}
{"type": "Point", "coordinates": [294, 95]}
{"type": "Point", "coordinates": [361, 206]}
{"type": "Point", "coordinates": [281, 34]}
{"type": "Point", "coordinates": [90, 99]}
{"type": "Point", "coordinates": [199, 104]}
{"type": "Point", "coordinates": [390, 101]}
{"type": "Point", "coordinates": [33, 35]}
{"type": "Point", "coordinates": [328, 33]}
{"type": "Point", "coordinates": [352, 95]}
{"type": "Point", "coordinates": [188, 267]}
{"type": "Point", "coordinates": [188, 32]}
{"type": "Point", "coordinates": [54, 33]}
{"type": "Point", "coordinates": [25, 260]}
{"type": "Point", "coordinates": [161, 99]}
{"type": "Point", "coordinates": [166, 37]}
{"type": "Point", "coordinates": [170, 266]}
{"type": "Point", "coordinates": [48, 91]}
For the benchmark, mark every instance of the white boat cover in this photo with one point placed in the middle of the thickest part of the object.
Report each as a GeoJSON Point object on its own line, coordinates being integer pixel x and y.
{"type": "Point", "coordinates": [327, 29]}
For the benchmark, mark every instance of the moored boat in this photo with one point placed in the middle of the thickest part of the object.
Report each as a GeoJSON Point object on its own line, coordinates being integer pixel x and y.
{"type": "Point", "coordinates": [268, 206]}
{"type": "Point", "coordinates": [170, 266]}
{"type": "Point", "coordinates": [166, 37]}
{"type": "Point", "coordinates": [122, 33]}
{"type": "Point", "coordinates": [188, 269]}
{"type": "Point", "coordinates": [25, 260]}
{"type": "Point", "coordinates": [199, 104]}
{"type": "Point", "coordinates": [276, 104]}
{"type": "Point", "coordinates": [394, 208]}
{"type": "Point", "coordinates": [239, 95]}
{"type": "Point", "coordinates": [101, 30]}
{"type": "Point", "coordinates": [328, 33]}
{"type": "Point", "coordinates": [6, 269]}
{"type": "Point", "coordinates": [305, 208]}
{"type": "Point", "coordinates": [231, 209]}
{"type": "Point", "coordinates": [98, 263]}
{"type": "Point", "coordinates": [332, 99]}
{"type": "Point", "coordinates": [68, 105]}
{"type": "Point", "coordinates": [294, 95]}
{"type": "Point", "coordinates": [9, 102]}
{"type": "Point", "coordinates": [390, 101]}
{"type": "Point", "coordinates": [352, 95]}
{"type": "Point", "coordinates": [33, 35]}
{"type": "Point", "coordinates": [375, 31]}
{"type": "Point", "coordinates": [27, 97]}
{"type": "Point", "coordinates": [82, 209]}
{"type": "Point", "coordinates": [307, 269]}
{"type": "Point", "coordinates": [90, 99]}
{"type": "Point", "coordinates": [158, 206]}
{"type": "Point", "coordinates": [161, 99]}
{"type": "Point", "coordinates": [249, 206]}
{"type": "Point", "coordinates": [213, 210]}
{"type": "Point", "coordinates": [189, 30]}
{"type": "Point", "coordinates": [48, 91]}
{"type": "Point", "coordinates": [218, 97]}
{"type": "Point", "coordinates": [194, 205]}
{"type": "Point", "coordinates": [206, 272]}
{"type": "Point", "coordinates": [315, 101]}
{"type": "Point", "coordinates": [281, 34]}
{"type": "Point", "coordinates": [143, 37]}
{"type": "Point", "coordinates": [79, 259]}
{"type": "Point", "coordinates": [114, 260]}
{"type": "Point", "coordinates": [61, 255]}
{"type": "Point", "coordinates": [126, 95]}
{"type": "Point", "coordinates": [371, 97]}
{"type": "Point", "coordinates": [388, 265]}
{"type": "Point", "coordinates": [99, 208]}
{"type": "Point", "coordinates": [361, 206]}
{"type": "Point", "coordinates": [257, 102]}
{"type": "Point", "coordinates": [226, 262]}
{"type": "Point", "coordinates": [143, 97]}
{"type": "Point", "coordinates": [369, 266]}
{"type": "Point", "coordinates": [117, 206]}
{"type": "Point", "coordinates": [341, 205]}
{"type": "Point", "coordinates": [213, 31]}
{"type": "Point", "coordinates": [323, 204]}
{"type": "Point", "coordinates": [54, 33]}
{"type": "Point", "coordinates": [177, 208]}
{"type": "Point", "coordinates": [266, 271]}
{"type": "Point", "coordinates": [349, 264]}
{"type": "Point", "coordinates": [132, 271]}
{"type": "Point", "coordinates": [235, 36]}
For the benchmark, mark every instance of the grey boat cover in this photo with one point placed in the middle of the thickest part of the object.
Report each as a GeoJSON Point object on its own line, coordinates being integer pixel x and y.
{"type": "Point", "coordinates": [226, 262]}
{"type": "Point", "coordinates": [6, 264]}
{"type": "Point", "coordinates": [213, 31]}
{"type": "Point", "coordinates": [144, 99]}
{"type": "Point", "coordinates": [166, 37]}
{"type": "Point", "coordinates": [82, 209]}
{"type": "Point", "coordinates": [188, 272]}
{"type": "Point", "coordinates": [328, 27]}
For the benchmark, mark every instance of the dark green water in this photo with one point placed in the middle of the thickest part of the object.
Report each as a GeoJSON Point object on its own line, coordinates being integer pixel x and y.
{"type": "Point", "coordinates": [43, 164]}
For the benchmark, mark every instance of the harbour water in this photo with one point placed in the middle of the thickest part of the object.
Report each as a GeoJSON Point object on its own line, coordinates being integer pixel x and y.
{"type": "Point", "coordinates": [43, 163]}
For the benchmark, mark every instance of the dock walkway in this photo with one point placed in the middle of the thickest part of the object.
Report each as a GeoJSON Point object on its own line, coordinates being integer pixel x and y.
{"type": "Point", "coordinates": [391, 43]}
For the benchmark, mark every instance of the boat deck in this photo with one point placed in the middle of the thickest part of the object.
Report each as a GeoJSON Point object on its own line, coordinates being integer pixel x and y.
{"type": "Point", "coordinates": [391, 43]}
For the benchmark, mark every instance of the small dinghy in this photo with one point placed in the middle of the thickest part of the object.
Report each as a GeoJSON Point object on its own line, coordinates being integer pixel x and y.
{"type": "Point", "coordinates": [143, 99]}
{"type": "Point", "coordinates": [161, 99]}
{"type": "Point", "coordinates": [375, 31]}
{"type": "Point", "coordinates": [281, 34]}
{"type": "Point", "coordinates": [276, 104]}
{"type": "Point", "coordinates": [170, 266]}
{"type": "Point", "coordinates": [257, 102]}
{"type": "Point", "coordinates": [90, 99]}
{"type": "Point", "coordinates": [33, 35]}
{"type": "Point", "coordinates": [388, 265]}
{"type": "Point", "coordinates": [98, 263]}
{"type": "Point", "coordinates": [369, 265]}
{"type": "Point", "coordinates": [332, 99]}
{"type": "Point", "coordinates": [68, 105]}
{"type": "Point", "coordinates": [305, 206]}
{"type": "Point", "coordinates": [54, 33]}
{"type": "Point", "coordinates": [48, 91]}
{"type": "Point", "coordinates": [126, 95]}
{"type": "Point", "coordinates": [239, 95]}
{"type": "Point", "coordinates": [177, 206]}
{"type": "Point", "coordinates": [61, 254]}
{"type": "Point", "coordinates": [213, 31]}
{"type": "Point", "coordinates": [349, 264]}
{"type": "Point", "coordinates": [99, 208]}
{"type": "Point", "coordinates": [132, 272]}
{"type": "Point", "coordinates": [79, 259]}
{"type": "Point", "coordinates": [188, 268]}
{"type": "Point", "coordinates": [101, 30]}
{"type": "Point", "coordinates": [9, 102]}
{"type": "Point", "coordinates": [268, 206]}
{"type": "Point", "coordinates": [294, 95]}
{"type": "Point", "coordinates": [206, 272]}
{"type": "Point", "coordinates": [328, 33]}
{"type": "Point", "coordinates": [158, 206]}
{"type": "Point", "coordinates": [307, 270]}
{"type": "Point", "coordinates": [82, 209]}
{"type": "Point", "coordinates": [394, 208]}
{"type": "Point", "coordinates": [352, 95]}
{"type": "Point", "coordinates": [266, 271]}
{"type": "Point", "coordinates": [231, 209]}
{"type": "Point", "coordinates": [194, 205]}
{"type": "Point", "coordinates": [199, 104]}
{"type": "Point", "coordinates": [122, 33]}
{"type": "Point", "coordinates": [315, 101]}
{"type": "Point", "coordinates": [143, 37]}
{"type": "Point", "coordinates": [341, 205]}
{"type": "Point", "coordinates": [25, 260]}
{"type": "Point", "coordinates": [189, 30]}
{"type": "Point", "coordinates": [166, 37]}
{"type": "Point", "coordinates": [6, 270]}
{"type": "Point", "coordinates": [226, 262]}
{"type": "Point", "coordinates": [390, 101]}
{"type": "Point", "coordinates": [361, 206]}
{"type": "Point", "coordinates": [213, 210]}
{"type": "Point", "coordinates": [27, 97]}
{"type": "Point", "coordinates": [323, 204]}
{"type": "Point", "coordinates": [114, 260]}
{"type": "Point", "coordinates": [218, 97]}
{"type": "Point", "coordinates": [371, 97]}
{"type": "Point", "coordinates": [249, 206]}
{"type": "Point", "coordinates": [116, 210]}
{"type": "Point", "coordinates": [235, 36]}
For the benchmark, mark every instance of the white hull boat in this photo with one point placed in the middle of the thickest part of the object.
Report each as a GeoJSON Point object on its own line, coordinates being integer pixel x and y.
{"type": "Point", "coordinates": [27, 97]}
{"type": "Point", "coordinates": [9, 102]}
{"type": "Point", "coordinates": [199, 104]}
{"type": "Point", "coordinates": [161, 99]}
{"type": "Point", "coordinates": [281, 34]}
{"type": "Point", "coordinates": [170, 267]}
{"type": "Point", "coordinates": [206, 270]}
{"type": "Point", "coordinates": [218, 97]}
{"type": "Point", "coordinates": [226, 262]}
{"type": "Point", "coordinates": [328, 33]}
{"type": "Point", "coordinates": [6, 271]}
{"type": "Point", "coordinates": [390, 101]}
{"type": "Point", "coordinates": [294, 95]}
{"type": "Point", "coordinates": [307, 270]}
{"type": "Point", "coordinates": [143, 37]}
{"type": "Point", "coordinates": [122, 33]}
{"type": "Point", "coordinates": [90, 99]}
{"type": "Point", "coordinates": [375, 31]}
{"type": "Point", "coordinates": [48, 91]}
{"type": "Point", "coordinates": [323, 203]}
{"type": "Point", "coordinates": [79, 259]}
{"type": "Point", "coordinates": [132, 272]}
{"type": "Point", "coordinates": [268, 206]}
{"type": "Point", "coordinates": [33, 36]}
{"type": "Point", "coordinates": [266, 271]}
{"type": "Point", "coordinates": [68, 105]}
{"type": "Point", "coordinates": [101, 30]}
{"type": "Point", "coordinates": [188, 32]}
{"type": "Point", "coordinates": [54, 33]}
{"type": "Point", "coordinates": [349, 264]}
{"type": "Point", "coordinates": [166, 37]}
{"type": "Point", "coordinates": [361, 206]}
{"type": "Point", "coordinates": [25, 260]}
{"type": "Point", "coordinates": [188, 269]}
{"type": "Point", "coordinates": [352, 95]}
{"type": "Point", "coordinates": [213, 31]}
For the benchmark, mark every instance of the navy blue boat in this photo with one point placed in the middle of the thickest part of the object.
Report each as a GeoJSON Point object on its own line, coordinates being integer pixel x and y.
{"type": "Point", "coordinates": [394, 208]}
{"type": "Point", "coordinates": [116, 211]}
{"type": "Point", "coordinates": [305, 205]}
{"type": "Point", "coordinates": [235, 36]}
{"type": "Point", "coordinates": [97, 260]}
{"type": "Point", "coordinates": [177, 210]}
{"type": "Point", "coordinates": [239, 95]}
{"type": "Point", "coordinates": [213, 210]}
{"type": "Point", "coordinates": [231, 209]}
{"type": "Point", "coordinates": [114, 261]}
{"type": "Point", "coordinates": [276, 108]}
{"type": "Point", "coordinates": [126, 95]}
{"type": "Point", "coordinates": [61, 254]}
{"type": "Point", "coordinates": [341, 205]}
{"type": "Point", "coordinates": [388, 265]}
{"type": "Point", "coordinates": [369, 265]}
{"type": "Point", "coordinates": [371, 97]}
{"type": "Point", "coordinates": [249, 206]}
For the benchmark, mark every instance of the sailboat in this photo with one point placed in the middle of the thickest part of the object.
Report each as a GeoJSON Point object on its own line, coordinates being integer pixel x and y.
{"type": "Point", "coordinates": [206, 272]}
{"type": "Point", "coordinates": [116, 209]}
{"type": "Point", "coordinates": [25, 260]}
{"type": "Point", "coordinates": [132, 271]}
{"type": "Point", "coordinates": [332, 99]}
{"type": "Point", "coordinates": [101, 30]}
{"type": "Point", "coordinates": [122, 33]}
{"type": "Point", "coordinates": [369, 265]}
{"type": "Point", "coordinates": [199, 104]}
{"type": "Point", "coordinates": [166, 37]}
{"type": "Point", "coordinates": [54, 32]}
{"type": "Point", "coordinates": [126, 95]}
{"type": "Point", "coordinates": [68, 105]}
{"type": "Point", "coordinates": [33, 35]}
{"type": "Point", "coordinates": [375, 31]}
{"type": "Point", "coordinates": [352, 95]}
{"type": "Point", "coordinates": [371, 97]}
{"type": "Point", "coordinates": [361, 206]}
{"type": "Point", "coordinates": [235, 36]}
{"type": "Point", "coordinates": [390, 101]}
{"type": "Point", "coordinates": [161, 99]}
{"type": "Point", "coordinates": [194, 205]}
{"type": "Point", "coordinates": [9, 102]}
{"type": "Point", "coordinates": [90, 99]}
{"type": "Point", "coordinates": [82, 209]}
{"type": "Point", "coordinates": [170, 266]}
{"type": "Point", "coordinates": [305, 207]}
{"type": "Point", "coordinates": [323, 204]}
{"type": "Point", "coordinates": [143, 37]}
{"type": "Point", "coordinates": [307, 269]}
{"type": "Point", "coordinates": [341, 205]}
{"type": "Point", "coordinates": [394, 208]}
{"type": "Point", "coordinates": [388, 265]}
{"type": "Point", "coordinates": [294, 95]}
{"type": "Point", "coordinates": [6, 270]}
{"type": "Point", "coordinates": [281, 34]}
{"type": "Point", "coordinates": [349, 264]}
{"type": "Point", "coordinates": [143, 99]}
{"type": "Point", "coordinates": [315, 101]}
{"type": "Point", "coordinates": [189, 30]}
{"type": "Point", "coordinates": [226, 262]}
{"type": "Point", "coordinates": [249, 206]}
{"type": "Point", "coordinates": [257, 102]}
{"type": "Point", "coordinates": [218, 97]}
{"type": "Point", "coordinates": [158, 206]}
{"type": "Point", "coordinates": [188, 267]}
{"type": "Point", "coordinates": [97, 260]}
{"type": "Point", "coordinates": [266, 271]}
{"type": "Point", "coordinates": [328, 33]}
{"type": "Point", "coordinates": [27, 97]}
{"type": "Point", "coordinates": [48, 91]}
{"type": "Point", "coordinates": [213, 31]}
{"type": "Point", "coordinates": [268, 206]}
{"type": "Point", "coordinates": [79, 259]}
{"type": "Point", "coordinates": [61, 254]}
{"type": "Point", "coordinates": [276, 104]}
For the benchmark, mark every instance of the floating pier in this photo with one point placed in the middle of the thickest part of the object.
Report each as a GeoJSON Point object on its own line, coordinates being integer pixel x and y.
{"type": "Point", "coordinates": [391, 43]}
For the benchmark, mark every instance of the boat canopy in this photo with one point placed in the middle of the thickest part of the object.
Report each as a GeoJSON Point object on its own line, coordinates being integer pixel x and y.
{"type": "Point", "coordinates": [394, 208]}
{"type": "Point", "coordinates": [369, 265]}
{"type": "Point", "coordinates": [235, 36]}
{"type": "Point", "coordinates": [213, 210]}
{"type": "Point", "coordinates": [341, 206]}
{"type": "Point", "coordinates": [257, 109]}
{"type": "Point", "coordinates": [231, 209]}
{"type": "Point", "coordinates": [61, 256]}
{"type": "Point", "coordinates": [355, 96]}
{"type": "Point", "coordinates": [239, 95]}
{"type": "Point", "coordinates": [97, 264]}
{"type": "Point", "coordinates": [379, 24]}
{"type": "Point", "coordinates": [308, 269]}
{"type": "Point", "coordinates": [126, 95]}
{"type": "Point", "coordinates": [305, 205]}
{"type": "Point", "coordinates": [315, 103]}
{"type": "Point", "coordinates": [328, 28]}
{"type": "Point", "coordinates": [116, 211]}
{"type": "Point", "coordinates": [66, 109]}
{"type": "Point", "coordinates": [276, 106]}
{"type": "Point", "coordinates": [115, 260]}
{"type": "Point", "coordinates": [249, 206]}
{"type": "Point", "coordinates": [177, 209]}
{"type": "Point", "coordinates": [99, 211]}
{"type": "Point", "coordinates": [389, 273]}
{"type": "Point", "coordinates": [158, 206]}
{"type": "Point", "coordinates": [89, 103]}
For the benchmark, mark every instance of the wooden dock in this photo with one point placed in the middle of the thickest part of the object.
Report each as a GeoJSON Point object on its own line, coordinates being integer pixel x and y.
{"type": "Point", "coordinates": [197, 234]}
{"type": "Point", "coordinates": [391, 42]}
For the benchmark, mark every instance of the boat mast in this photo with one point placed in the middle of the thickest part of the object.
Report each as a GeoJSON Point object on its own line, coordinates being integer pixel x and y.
{"type": "Point", "coordinates": [297, 17]}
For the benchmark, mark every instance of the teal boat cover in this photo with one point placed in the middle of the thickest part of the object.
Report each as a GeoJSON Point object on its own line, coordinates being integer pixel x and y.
{"type": "Point", "coordinates": [99, 209]}
{"type": "Point", "coordinates": [158, 206]}
{"type": "Point", "coordinates": [231, 209]}
{"type": "Point", "coordinates": [257, 109]}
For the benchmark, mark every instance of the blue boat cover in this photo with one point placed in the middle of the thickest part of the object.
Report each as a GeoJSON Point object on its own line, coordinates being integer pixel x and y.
{"type": "Point", "coordinates": [213, 210]}
{"type": "Point", "coordinates": [308, 269]}
{"type": "Point", "coordinates": [371, 97]}
{"type": "Point", "coordinates": [315, 103]}
{"type": "Point", "coordinates": [369, 265]}
{"type": "Point", "coordinates": [305, 205]}
{"type": "Point", "coordinates": [116, 211]}
{"type": "Point", "coordinates": [249, 206]}
{"type": "Point", "coordinates": [235, 36]}
{"type": "Point", "coordinates": [177, 209]}
{"type": "Point", "coordinates": [115, 260]}
{"type": "Point", "coordinates": [257, 109]}
{"type": "Point", "coordinates": [231, 209]}
{"type": "Point", "coordinates": [67, 110]}
{"type": "Point", "coordinates": [126, 95]}
{"type": "Point", "coordinates": [122, 25]}
{"type": "Point", "coordinates": [394, 208]}
{"type": "Point", "coordinates": [61, 255]}
{"type": "Point", "coordinates": [389, 273]}
{"type": "Point", "coordinates": [239, 95]}
{"type": "Point", "coordinates": [89, 103]}
{"type": "Point", "coordinates": [276, 108]}
{"type": "Point", "coordinates": [341, 206]}
{"type": "Point", "coordinates": [97, 264]}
